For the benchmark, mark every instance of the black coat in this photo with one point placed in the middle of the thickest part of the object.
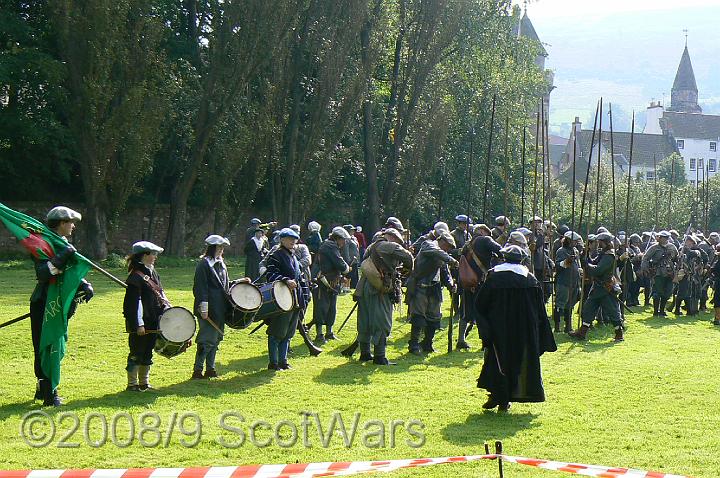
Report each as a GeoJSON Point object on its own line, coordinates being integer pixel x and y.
{"type": "Point", "coordinates": [139, 291]}
{"type": "Point", "coordinates": [516, 332]}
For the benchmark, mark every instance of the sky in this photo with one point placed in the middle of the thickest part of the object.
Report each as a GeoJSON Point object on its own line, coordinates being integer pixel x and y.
{"type": "Point", "coordinates": [626, 51]}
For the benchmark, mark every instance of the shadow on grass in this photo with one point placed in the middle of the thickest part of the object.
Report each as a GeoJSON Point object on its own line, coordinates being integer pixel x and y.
{"type": "Point", "coordinates": [124, 399]}
{"type": "Point", "coordinates": [648, 320]}
{"type": "Point", "coordinates": [488, 426]}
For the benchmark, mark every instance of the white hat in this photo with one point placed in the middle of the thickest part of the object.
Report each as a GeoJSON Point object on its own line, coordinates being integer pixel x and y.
{"type": "Point", "coordinates": [447, 237]}
{"type": "Point", "coordinates": [359, 228]}
{"type": "Point", "coordinates": [62, 213]}
{"type": "Point", "coordinates": [216, 240]}
{"type": "Point", "coordinates": [517, 236]}
{"type": "Point", "coordinates": [441, 226]}
{"type": "Point", "coordinates": [573, 236]}
{"type": "Point", "coordinates": [146, 247]}
{"type": "Point", "coordinates": [314, 226]}
{"type": "Point", "coordinates": [340, 232]}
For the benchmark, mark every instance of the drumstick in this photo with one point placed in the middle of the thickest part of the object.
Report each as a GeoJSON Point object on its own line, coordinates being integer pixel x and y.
{"type": "Point", "coordinates": [146, 332]}
{"type": "Point", "coordinates": [214, 326]}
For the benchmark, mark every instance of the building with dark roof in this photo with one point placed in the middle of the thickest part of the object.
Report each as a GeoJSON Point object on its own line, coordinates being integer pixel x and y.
{"type": "Point", "coordinates": [695, 135]}
{"type": "Point", "coordinates": [648, 150]}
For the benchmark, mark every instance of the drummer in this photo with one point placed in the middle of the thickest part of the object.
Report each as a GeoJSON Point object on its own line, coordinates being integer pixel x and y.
{"type": "Point", "coordinates": [144, 302]}
{"type": "Point", "coordinates": [211, 289]}
{"type": "Point", "coordinates": [282, 265]}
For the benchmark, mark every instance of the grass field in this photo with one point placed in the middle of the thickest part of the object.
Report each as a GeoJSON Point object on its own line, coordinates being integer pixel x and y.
{"type": "Point", "coordinates": [649, 403]}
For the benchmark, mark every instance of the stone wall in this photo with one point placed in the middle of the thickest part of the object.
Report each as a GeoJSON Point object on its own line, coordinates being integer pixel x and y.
{"type": "Point", "coordinates": [133, 226]}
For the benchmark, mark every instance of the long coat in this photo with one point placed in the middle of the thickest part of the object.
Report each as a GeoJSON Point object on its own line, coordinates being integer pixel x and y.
{"type": "Point", "coordinates": [517, 333]}
{"type": "Point", "coordinates": [211, 285]}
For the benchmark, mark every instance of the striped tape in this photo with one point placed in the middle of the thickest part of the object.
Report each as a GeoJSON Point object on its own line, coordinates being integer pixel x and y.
{"type": "Point", "coordinates": [344, 468]}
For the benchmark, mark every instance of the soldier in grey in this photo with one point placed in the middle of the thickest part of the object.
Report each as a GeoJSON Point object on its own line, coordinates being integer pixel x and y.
{"type": "Point", "coordinates": [658, 264]}
{"type": "Point", "coordinates": [424, 290]}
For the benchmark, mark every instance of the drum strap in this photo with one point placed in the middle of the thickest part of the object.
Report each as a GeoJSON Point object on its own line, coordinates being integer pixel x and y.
{"type": "Point", "coordinates": [155, 288]}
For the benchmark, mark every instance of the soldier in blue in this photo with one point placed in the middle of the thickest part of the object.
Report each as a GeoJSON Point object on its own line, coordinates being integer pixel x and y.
{"type": "Point", "coordinates": [282, 265]}
{"type": "Point", "coordinates": [603, 291]}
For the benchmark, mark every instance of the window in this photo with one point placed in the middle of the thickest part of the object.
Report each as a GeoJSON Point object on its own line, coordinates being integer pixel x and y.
{"type": "Point", "coordinates": [700, 164]}
{"type": "Point", "coordinates": [692, 164]}
{"type": "Point", "coordinates": [681, 144]}
{"type": "Point", "coordinates": [713, 146]}
{"type": "Point", "coordinates": [650, 175]}
{"type": "Point", "coordinates": [712, 164]}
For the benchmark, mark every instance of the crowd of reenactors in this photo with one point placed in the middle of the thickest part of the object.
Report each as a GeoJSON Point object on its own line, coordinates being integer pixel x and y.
{"type": "Point", "coordinates": [500, 280]}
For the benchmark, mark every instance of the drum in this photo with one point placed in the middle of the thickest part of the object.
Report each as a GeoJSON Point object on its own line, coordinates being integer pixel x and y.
{"type": "Point", "coordinates": [246, 300]}
{"type": "Point", "coordinates": [177, 328]}
{"type": "Point", "coordinates": [277, 298]}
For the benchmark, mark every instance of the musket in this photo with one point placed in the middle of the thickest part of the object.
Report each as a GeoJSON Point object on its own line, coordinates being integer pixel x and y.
{"type": "Point", "coordinates": [303, 330]}
{"type": "Point", "coordinates": [489, 154]}
{"type": "Point", "coordinates": [348, 317]}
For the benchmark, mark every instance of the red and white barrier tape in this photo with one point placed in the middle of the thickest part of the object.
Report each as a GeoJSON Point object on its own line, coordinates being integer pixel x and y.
{"type": "Point", "coordinates": [311, 470]}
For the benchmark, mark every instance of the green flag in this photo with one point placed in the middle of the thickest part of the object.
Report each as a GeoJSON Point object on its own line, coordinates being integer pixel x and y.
{"type": "Point", "coordinates": [43, 243]}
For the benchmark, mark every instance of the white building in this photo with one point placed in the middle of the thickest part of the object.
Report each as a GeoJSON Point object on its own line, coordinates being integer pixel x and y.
{"type": "Point", "coordinates": [696, 135]}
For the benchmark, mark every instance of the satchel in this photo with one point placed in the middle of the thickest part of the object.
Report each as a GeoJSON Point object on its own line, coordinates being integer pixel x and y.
{"type": "Point", "coordinates": [372, 274]}
{"type": "Point", "coordinates": [468, 277]}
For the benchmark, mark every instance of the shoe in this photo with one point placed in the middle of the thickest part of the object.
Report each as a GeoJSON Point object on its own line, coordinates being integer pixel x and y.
{"type": "Point", "coordinates": [146, 388]}
{"type": "Point", "coordinates": [365, 357]}
{"type": "Point", "coordinates": [197, 374]}
{"type": "Point", "coordinates": [619, 337]}
{"type": "Point", "coordinates": [210, 373]}
{"type": "Point", "coordinates": [581, 333]}
{"type": "Point", "coordinates": [382, 361]}
{"type": "Point", "coordinates": [284, 366]}
{"type": "Point", "coordinates": [462, 345]}
{"type": "Point", "coordinates": [415, 351]}
{"type": "Point", "coordinates": [716, 322]}
{"type": "Point", "coordinates": [273, 366]}
{"type": "Point", "coordinates": [319, 339]}
{"type": "Point", "coordinates": [490, 404]}
{"type": "Point", "coordinates": [133, 388]}
{"type": "Point", "coordinates": [53, 400]}
{"type": "Point", "coordinates": [38, 393]}
{"type": "Point", "coordinates": [330, 336]}
{"type": "Point", "coordinates": [504, 407]}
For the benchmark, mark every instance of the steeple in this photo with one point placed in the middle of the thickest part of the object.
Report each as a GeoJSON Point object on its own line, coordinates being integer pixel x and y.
{"type": "Point", "coordinates": [684, 97]}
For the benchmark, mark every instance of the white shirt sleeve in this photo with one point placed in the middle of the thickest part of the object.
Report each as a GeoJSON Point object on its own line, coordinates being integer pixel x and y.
{"type": "Point", "coordinates": [203, 307]}
{"type": "Point", "coordinates": [141, 323]}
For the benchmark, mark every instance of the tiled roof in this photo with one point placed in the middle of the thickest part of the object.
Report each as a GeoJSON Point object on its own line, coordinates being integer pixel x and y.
{"type": "Point", "coordinates": [685, 77]}
{"type": "Point", "coordinates": [691, 125]}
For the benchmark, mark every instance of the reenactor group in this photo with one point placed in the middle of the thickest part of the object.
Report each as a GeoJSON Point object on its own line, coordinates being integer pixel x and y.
{"type": "Point", "coordinates": [500, 280]}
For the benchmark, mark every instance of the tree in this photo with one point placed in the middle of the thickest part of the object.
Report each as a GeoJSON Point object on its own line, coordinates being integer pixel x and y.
{"type": "Point", "coordinates": [672, 169]}
{"type": "Point", "coordinates": [114, 79]}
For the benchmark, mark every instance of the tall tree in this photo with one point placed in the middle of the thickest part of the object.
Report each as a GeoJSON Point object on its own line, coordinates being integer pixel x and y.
{"type": "Point", "coordinates": [114, 77]}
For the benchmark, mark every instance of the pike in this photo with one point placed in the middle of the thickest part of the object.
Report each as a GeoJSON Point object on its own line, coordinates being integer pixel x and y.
{"type": "Point", "coordinates": [549, 277]}
{"type": "Point", "coordinates": [627, 201]}
{"type": "Point", "coordinates": [542, 145]}
{"type": "Point", "coordinates": [582, 204]}
{"type": "Point", "coordinates": [507, 164]}
{"type": "Point", "coordinates": [612, 168]}
{"type": "Point", "coordinates": [489, 154]}
{"type": "Point", "coordinates": [522, 176]}
{"type": "Point", "coordinates": [537, 159]}
{"type": "Point", "coordinates": [597, 181]}
{"type": "Point", "coordinates": [672, 181]}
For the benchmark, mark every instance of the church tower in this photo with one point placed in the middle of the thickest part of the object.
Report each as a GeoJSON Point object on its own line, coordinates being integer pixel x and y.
{"type": "Point", "coordinates": [684, 97]}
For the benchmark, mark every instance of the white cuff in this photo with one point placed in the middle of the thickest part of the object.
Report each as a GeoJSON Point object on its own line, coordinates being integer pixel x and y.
{"type": "Point", "coordinates": [53, 270]}
{"type": "Point", "coordinates": [203, 307]}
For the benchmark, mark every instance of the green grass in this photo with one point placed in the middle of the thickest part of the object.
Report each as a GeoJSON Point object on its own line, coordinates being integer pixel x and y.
{"type": "Point", "coordinates": [648, 403]}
